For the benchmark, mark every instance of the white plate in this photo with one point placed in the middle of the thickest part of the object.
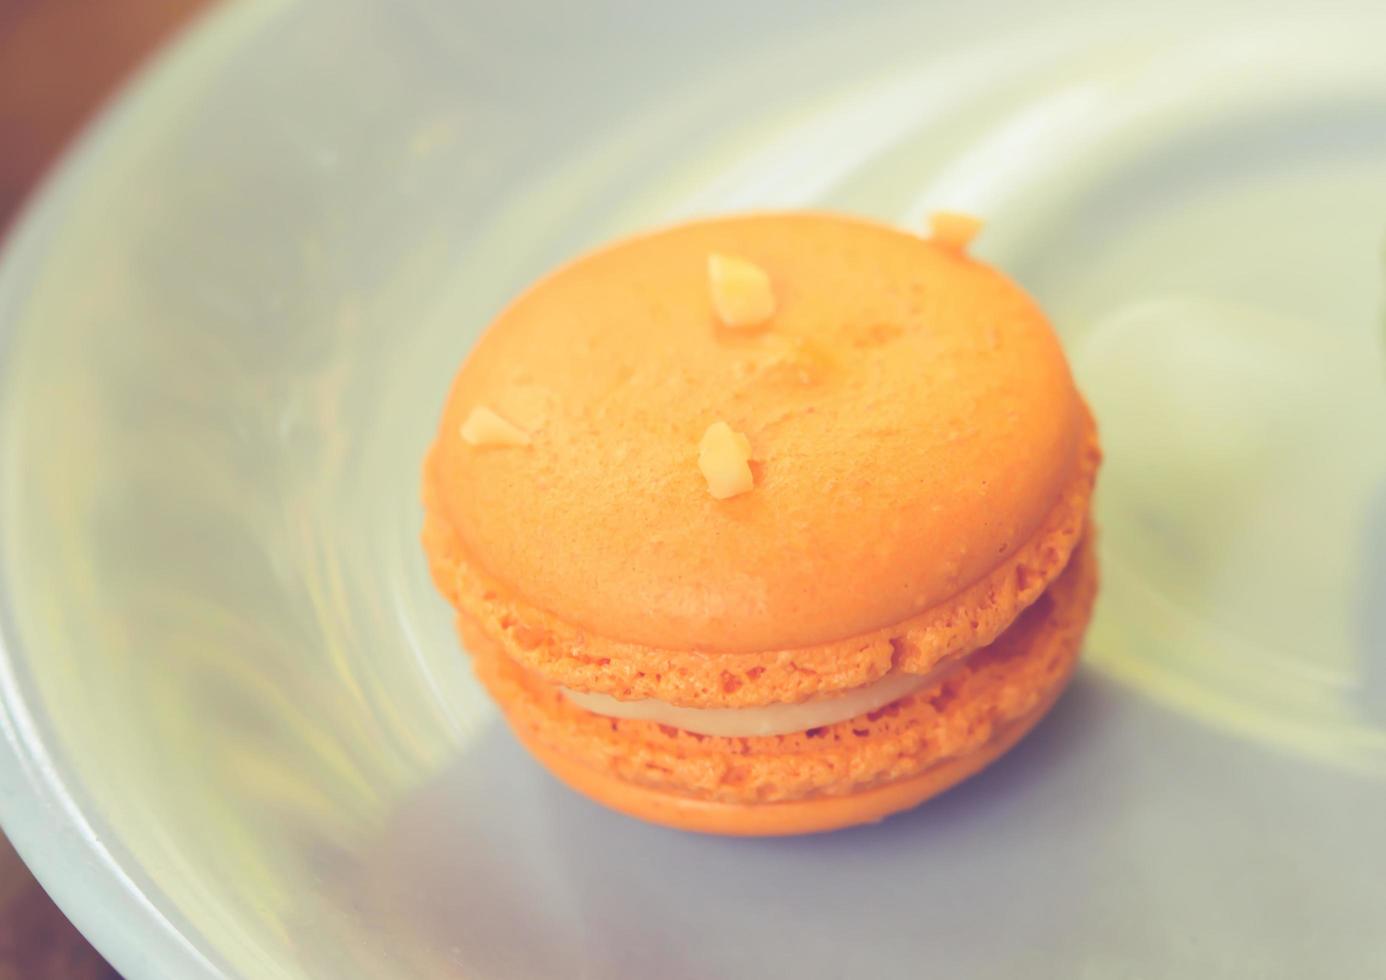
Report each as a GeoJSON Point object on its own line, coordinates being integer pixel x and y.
{"type": "Point", "coordinates": [238, 738]}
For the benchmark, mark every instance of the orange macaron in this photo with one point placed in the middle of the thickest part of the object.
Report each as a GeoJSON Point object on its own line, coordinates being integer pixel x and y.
{"type": "Point", "coordinates": [767, 524]}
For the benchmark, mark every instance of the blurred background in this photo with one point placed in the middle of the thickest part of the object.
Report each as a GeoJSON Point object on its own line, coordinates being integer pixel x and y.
{"type": "Point", "coordinates": [59, 59]}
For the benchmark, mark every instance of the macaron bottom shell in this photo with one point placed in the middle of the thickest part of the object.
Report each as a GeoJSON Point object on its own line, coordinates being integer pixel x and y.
{"type": "Point", "coordinates": [858, 771]}
{"type": "Point", "coordinates": [808, 816]}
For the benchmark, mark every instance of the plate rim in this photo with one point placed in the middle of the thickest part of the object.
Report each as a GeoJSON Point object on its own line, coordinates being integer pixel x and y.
{"type": "Point", "coordinates": [128, 921]}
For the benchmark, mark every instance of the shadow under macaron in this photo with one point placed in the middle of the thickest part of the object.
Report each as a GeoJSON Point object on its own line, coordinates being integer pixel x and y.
{"type": "Point", "coordinates": [1109, 839]}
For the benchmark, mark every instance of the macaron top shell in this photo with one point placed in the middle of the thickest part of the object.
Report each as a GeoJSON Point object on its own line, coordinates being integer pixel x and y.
{"type": "Point", "coordinates": [911, 417]}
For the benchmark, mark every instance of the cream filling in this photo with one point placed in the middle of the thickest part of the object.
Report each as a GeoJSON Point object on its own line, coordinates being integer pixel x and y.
{"type": "Point", "coordinates": [771, 719]}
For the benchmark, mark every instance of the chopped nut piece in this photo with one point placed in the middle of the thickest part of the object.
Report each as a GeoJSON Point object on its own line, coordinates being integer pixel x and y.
{"type": "Point", "coordinates": [722, 456]}
{"type": "Point", "coordinates": [952, 230]}
{"type": "Point", "coordinates": [485, 428]}
{"type": "Point", "coordinates": [741, 292]}
{"type": "Point", "coordinates": [800, 359]}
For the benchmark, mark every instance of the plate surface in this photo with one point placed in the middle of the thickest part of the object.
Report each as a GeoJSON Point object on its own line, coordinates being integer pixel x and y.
{"type": "Point", "coordinates": [238, 738]}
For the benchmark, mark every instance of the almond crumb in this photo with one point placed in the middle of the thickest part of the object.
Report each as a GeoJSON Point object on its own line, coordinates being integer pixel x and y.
{"type": "Point", "coordinates": [953, 230]}
{"type": "Point", "coordinates": [741, 293]}
{"type": "Point", "coordinates": [723, 456]}
{"type": "Point", "coordinates": [804, 360]}
{"type": "Point", "coordinates": [485, 428]}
